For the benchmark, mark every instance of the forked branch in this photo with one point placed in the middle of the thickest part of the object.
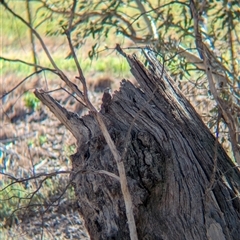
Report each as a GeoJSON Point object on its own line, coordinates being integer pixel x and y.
{"type": "Point", "coordinates": [211, 65]}
{"type": "Point", "coordinates": [64, 116]}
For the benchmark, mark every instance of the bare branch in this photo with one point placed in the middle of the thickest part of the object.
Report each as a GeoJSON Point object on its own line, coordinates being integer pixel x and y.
{"type": "Point", "coordinates": [29, 15]}
{"type": "Point", "coordinates": [80, 72]}
{"type": "Point", "coordinates": [34, 32]}
{"type": "Point", "coordinates": [151, 25]}
{"type": "Point", "coordinates": [59, 72]}
{"type": "Point", "coordinates": [27, 63]}
{"type": "Point", "coordinates": [208, 61]}
{"type": "Point", "coordinates": [5, 94]}
{"type": "Point", "coordinates": [112, 146]}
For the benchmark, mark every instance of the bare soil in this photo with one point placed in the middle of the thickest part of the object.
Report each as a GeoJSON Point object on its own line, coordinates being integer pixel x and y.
{"type": "Point", "coordinates": [23, 154]}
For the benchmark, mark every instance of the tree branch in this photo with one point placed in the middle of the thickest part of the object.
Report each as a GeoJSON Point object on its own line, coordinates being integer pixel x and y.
{"type": "Point", "coordinates": [209, 68]}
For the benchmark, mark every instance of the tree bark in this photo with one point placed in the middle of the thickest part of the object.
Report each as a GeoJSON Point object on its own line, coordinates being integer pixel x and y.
{"type": "Point", "coordinates": [169, 164]}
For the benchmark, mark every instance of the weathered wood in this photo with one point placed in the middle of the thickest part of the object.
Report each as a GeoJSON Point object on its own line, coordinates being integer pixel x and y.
{"type": "Point", "coordinates": [169, 164]}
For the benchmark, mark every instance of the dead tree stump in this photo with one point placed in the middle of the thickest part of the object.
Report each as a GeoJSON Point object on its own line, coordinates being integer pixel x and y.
{"type": "Point", "coordinates": [169, 164]}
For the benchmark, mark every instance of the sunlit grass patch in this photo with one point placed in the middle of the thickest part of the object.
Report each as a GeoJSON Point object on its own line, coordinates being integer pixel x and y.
{"type": "Point", "coordinates": [16, 45]}
{"type": "Point", "coordinates": [112, 65]}
{"type": "Point", "coordinates": [15, 68]}
{"type": "Point", "coordinates": [109, 64]}
{"type": "Point", "coordinates": [15, 33]}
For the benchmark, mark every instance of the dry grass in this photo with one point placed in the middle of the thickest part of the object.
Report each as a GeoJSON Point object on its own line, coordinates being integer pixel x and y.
{"type": "Point", "coordinates": [32, 141]}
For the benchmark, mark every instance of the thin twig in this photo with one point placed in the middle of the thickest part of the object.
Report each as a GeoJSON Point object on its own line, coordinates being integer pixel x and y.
{"type": "Point", "coordinates": [213, 176]}
{"type": "Point", "coordinates": [21, 180]}
{"type": "Point", "coordinates": [34, 32]}
{"type": "Point", "coordinates": [27, 63]}
{"type": "Point", "coordinates": [119, 160]}
{"type": "Point", "coordinates": [80, 72]}
{"type": "Point", "coordinates": [59, 72]}
{"type": "Point", "coordinates": [26, 78]}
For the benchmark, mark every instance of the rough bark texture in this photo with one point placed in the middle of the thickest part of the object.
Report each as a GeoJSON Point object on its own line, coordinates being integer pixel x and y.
{"type": "Point", "coordinates": [169, 165]}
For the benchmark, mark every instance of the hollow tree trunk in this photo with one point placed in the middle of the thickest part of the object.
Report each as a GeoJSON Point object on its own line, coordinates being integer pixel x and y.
{"type": "Point", "coordinates": [169, 164]}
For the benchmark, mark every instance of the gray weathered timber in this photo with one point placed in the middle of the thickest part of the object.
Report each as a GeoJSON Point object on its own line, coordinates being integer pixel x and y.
{"type": "Point", "coordinates": [169, 164]}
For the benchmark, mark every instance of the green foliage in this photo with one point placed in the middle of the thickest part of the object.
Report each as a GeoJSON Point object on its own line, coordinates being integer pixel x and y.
{"type": "Point", "coordinates": [12, 198]}
{"type": "Point", "coordinates": [114, 65]}
{"type": "Point", "coordinates": [105, 23]}
{"type": "Point", "coordinates": [69, 150]}
{"type": "Point", "coordinates": [17, 198]}
{"type": "Point", "coordinates": [98, 25]}
{"type": "Point", "coordinates": [169, 24]}
{"type": "Point", "coordinates": [31, 101]}
{"type": "Point", "coordinates": [42, 139]}
{"type": "Point", "coordinates": [17, 69]}
{"type": "Point", "coordinates": [30, 143]}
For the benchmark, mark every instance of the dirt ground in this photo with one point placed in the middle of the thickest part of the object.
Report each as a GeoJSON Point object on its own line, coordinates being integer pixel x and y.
{"type": "Point", "coordinates": [33, 141]}
{"type": "Point", "coordinates": [23, 155]}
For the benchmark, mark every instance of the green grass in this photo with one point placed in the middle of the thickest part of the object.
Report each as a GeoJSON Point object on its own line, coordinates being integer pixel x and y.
{"type": "Point", "coordinates": [16, 45]}
{"type": "Point", "coordinates": [20, 195]}
{"type": "Point", "coordinates": [13, 30]}
{"type": "Point", "coordinates": [11, 199]}
{"type": "Point", "coordinates": [14, 68]}
{"type": "Point", "coordinates": [31, 101]}
{"type": "Point", "coordinates": [111, 65]}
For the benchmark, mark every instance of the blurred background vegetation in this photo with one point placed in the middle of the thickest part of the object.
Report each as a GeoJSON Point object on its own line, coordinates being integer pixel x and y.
{"type": "Point", "coordinates": [28, 129]}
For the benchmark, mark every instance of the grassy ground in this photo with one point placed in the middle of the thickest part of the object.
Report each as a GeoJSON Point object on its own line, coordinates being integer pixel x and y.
{"type": "Point", "coordinates": [16, 45]}
{"type": "Point", "coordinates": [32, 141]}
